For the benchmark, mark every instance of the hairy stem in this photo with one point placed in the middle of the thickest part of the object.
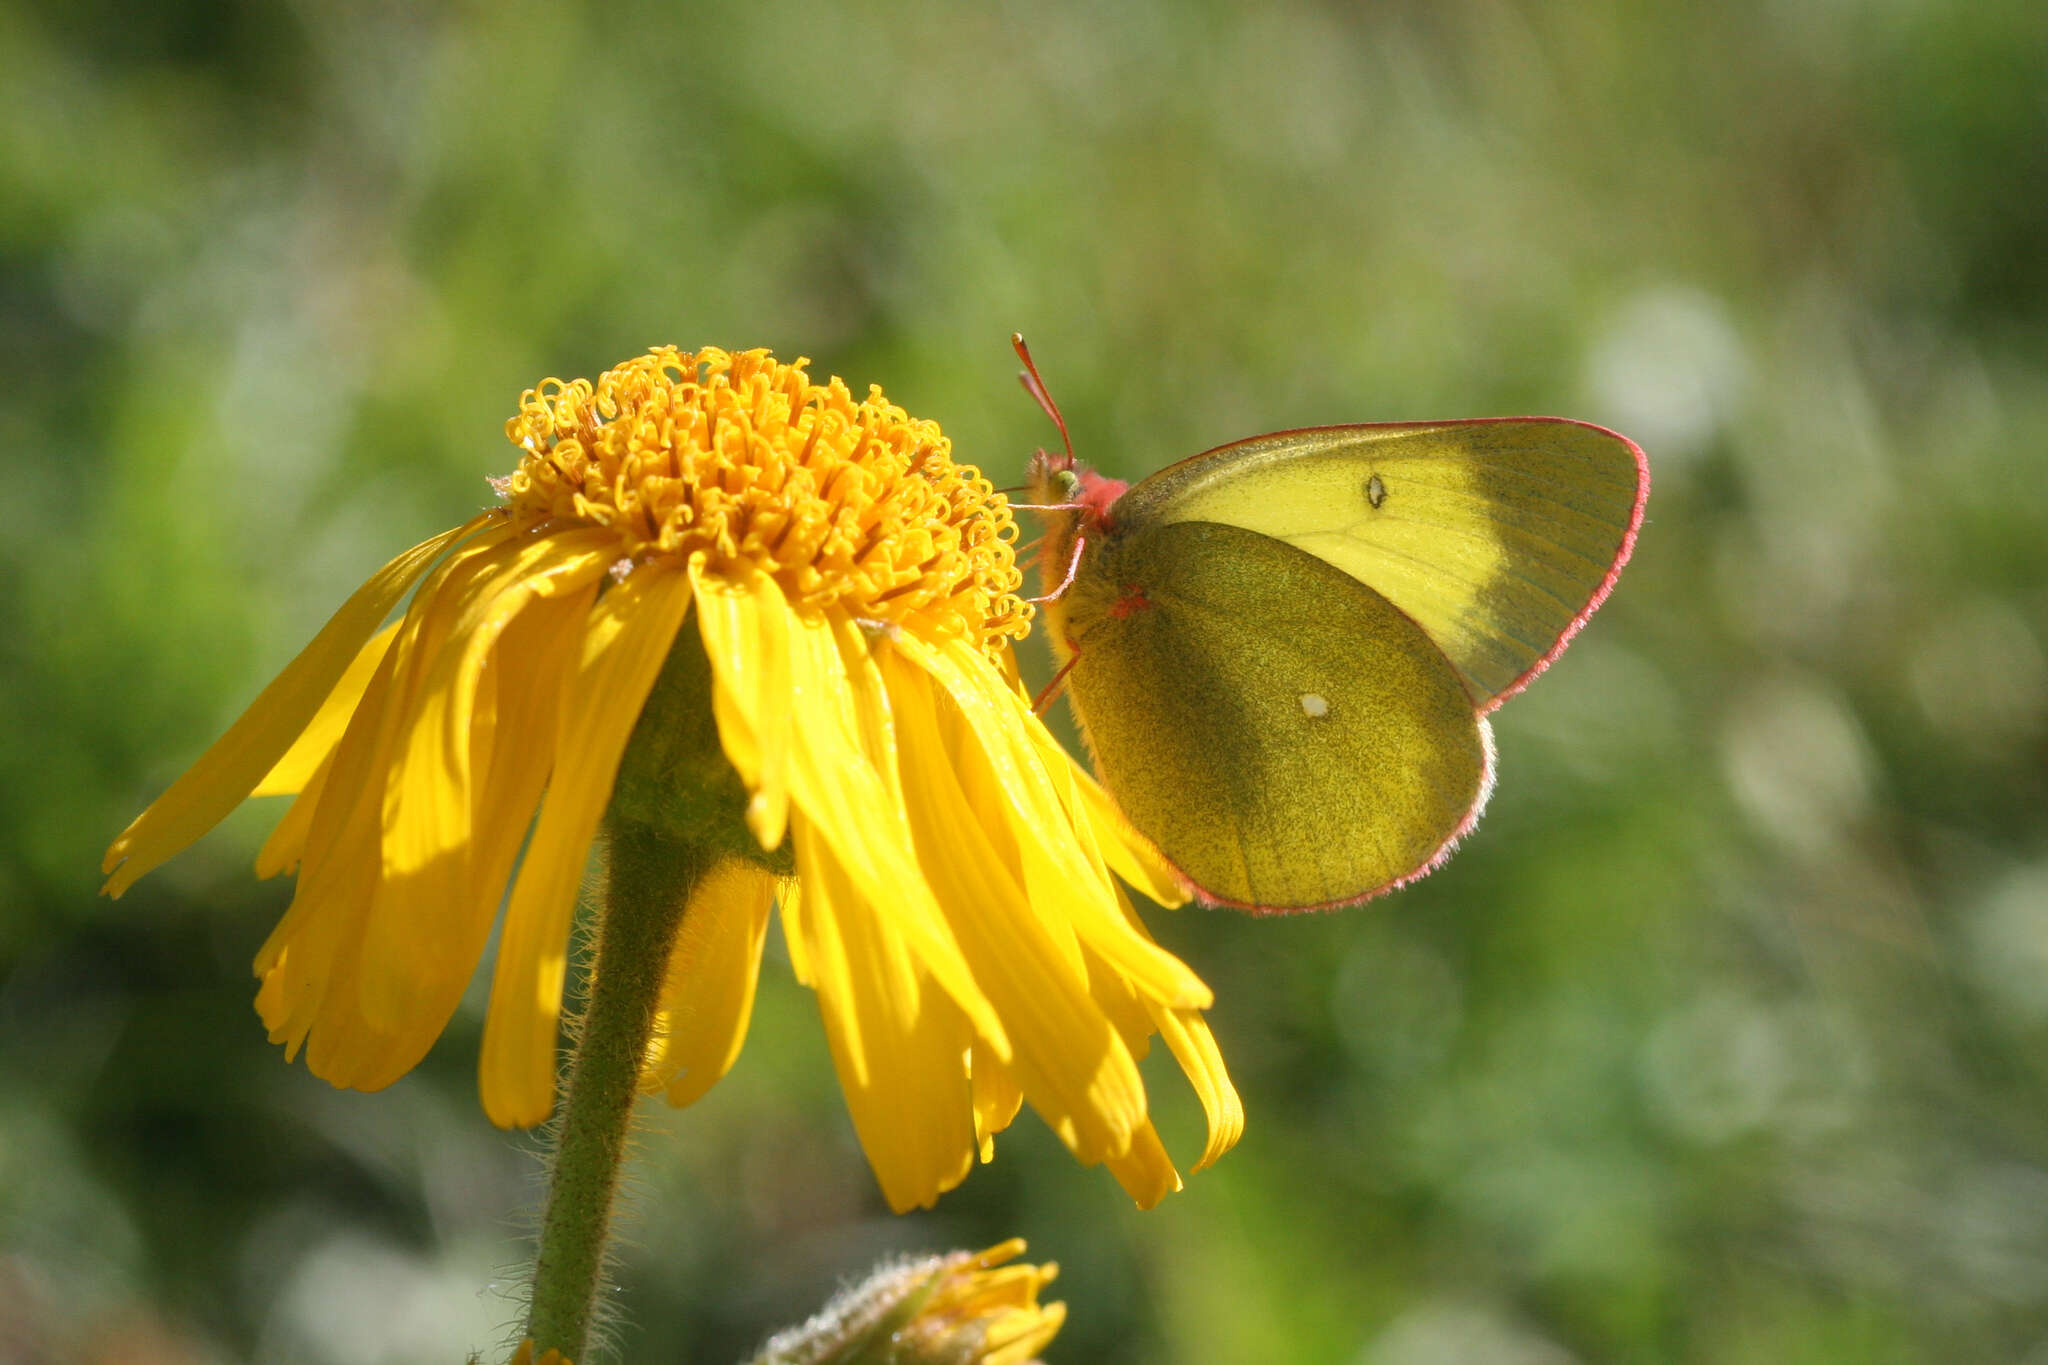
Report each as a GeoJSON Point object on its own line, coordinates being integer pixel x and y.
{"type": "Point", "coordinates": [647, 886]}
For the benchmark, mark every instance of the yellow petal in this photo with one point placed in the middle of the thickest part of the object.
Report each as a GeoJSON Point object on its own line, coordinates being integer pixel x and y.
{"type": "Point", "coordinates": [749, 650]}
{"type": "Point", "coordinates": [1194, 1047]}
{"type": "Point", "coordinates": [424, 933]}
{"type": "Point", "coordinates": [997, 1098]}
{"type": "Point", "coordinates": [534, 662]}
{"type": "Point", "coordinates": [1067, 1057]}
{"type": "Point", "coordinates": [828, 718]}
{"type": "Point", "coordinates": [708, 994]}
{"type": "Point", "coordinates": [1186, 1032]}
{"type": "Point", "coordinates": [1020, 1339]}
{"type": "Point", "coordinates": [423, 939]}
{"type": "Point", "coordinates": [1129, 854]}
{"type": "Point", "coordinates": [351, 802]}
{"type": "Point", "coordinates": [789, 896]}
{"type": "Point", "coordinates": [1002, 725]}
{"type": "Point", "coordinates": [315, 744]}
{"type": "Point", "coordinates": [316, 994]}
{"type": "Point", "coordinates": [337, 877]}
{"type": "Point", "coordinates": [287, 842]}
{"type": "Point", "coordinates": [629, 635]}
{"type": "Point", "coordinates": [1136, 1013]}
{"type": "Point", "coordinates": [1145, 1171]}
{"type": "Point", "coordinates": [230, 770]}
{"type": "Point", "coordinates": [519, 696]}
{"type": "Point", "coordinates": [897, 1042]}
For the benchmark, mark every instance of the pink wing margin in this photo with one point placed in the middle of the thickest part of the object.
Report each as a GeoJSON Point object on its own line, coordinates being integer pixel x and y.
{"type": "Point", "coordinates": [1621, 556]}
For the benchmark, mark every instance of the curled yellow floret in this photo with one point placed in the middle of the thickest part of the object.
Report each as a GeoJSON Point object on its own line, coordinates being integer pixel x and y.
{"type": "Point", "coordinates": [852, 591]}
{"type": "Point", "coordinates": [846, 503]}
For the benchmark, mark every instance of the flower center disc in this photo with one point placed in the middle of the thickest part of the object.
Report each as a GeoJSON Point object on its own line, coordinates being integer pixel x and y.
{"type": "Point", "coordinates": [742, 458]}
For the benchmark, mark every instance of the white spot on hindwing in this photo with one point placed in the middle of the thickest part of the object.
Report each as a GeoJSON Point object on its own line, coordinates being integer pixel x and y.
{"type": "Point", "coordinates": [1314, 705]}
{"type": "Point", "coordinates": [1375, 491]}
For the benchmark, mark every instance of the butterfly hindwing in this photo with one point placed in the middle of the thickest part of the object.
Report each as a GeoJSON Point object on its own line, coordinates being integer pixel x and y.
{"type": "Point", "coordinates": [1285, 734]}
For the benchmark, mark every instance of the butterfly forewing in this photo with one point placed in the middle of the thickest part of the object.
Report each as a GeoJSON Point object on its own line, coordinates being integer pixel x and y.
{"type": "Point", "coordinates": [1495, 536]}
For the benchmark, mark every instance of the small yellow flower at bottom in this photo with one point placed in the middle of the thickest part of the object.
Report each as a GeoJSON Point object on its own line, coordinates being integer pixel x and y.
{"type": "Point", "coordinates": [966, 1308]}
{"type": "Point", "coordinates": [853, 591]}
{"type": "Point", "coordinates": [984, 1311]}
{"type": "Point", "coordinates": [525, 1356]}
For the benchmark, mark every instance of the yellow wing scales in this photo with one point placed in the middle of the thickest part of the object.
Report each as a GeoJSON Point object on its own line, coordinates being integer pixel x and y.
{"type": "Point", "coordinates": [1286, 736]}
{"type": "Point", "coordinates": [1496, 537]}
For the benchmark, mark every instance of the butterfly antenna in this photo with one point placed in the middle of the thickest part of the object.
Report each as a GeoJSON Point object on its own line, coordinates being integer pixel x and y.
{"type": "Point", "coordinates": [1035, 386]}
{"type": "Point", "coordinates": [1052, 690]}
{"type": "Point", "coordinates": [1073, 567]}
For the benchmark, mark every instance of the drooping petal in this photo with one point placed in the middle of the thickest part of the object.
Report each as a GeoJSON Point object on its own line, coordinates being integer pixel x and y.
{"type": "Point", "coordinates": [389, 999]}
{"type": "Point", "coordinates": [997, 1098]}
{"type": "Point", "coordinates": [833, 779]}
{"type": "Point", "coordinates": [1145, 1171]}
{"type": "Point", "coordinates": [629, 634]}
{"type": "Point", "coordinates": [897, 1041]}
{"type": "Point", "coordinates": [410, 995]}
{"type": "Point", "coordinates": [312, 995]}
{"type": "Point", "coordinates": [1067, 1057]}
{"type": "Point", "coordinates": [315, 745]}
{"type": "Point", "coordinates": [998, 720]}
{"type": "Point", "coordinates": [227, 772]}
{"type": "Point", "coordinates": [708, 994]}
{"type": "Point", "coordinates": [287, 842]}
{"type": "Point", "coordinates": [1187, 1034]}
{"type": "Point", "coordinates": [1194, 1047]}
{"type": "Point", "coordinates": [317, 941]}
{"type": "Point", "coordinates": [518, 695]}
{"type": "Point", "coordinates": [423, 931]}
{"type": "Point", "coordinates": [789, 895]}
{"type": "Point", "coordinates": [535, 660]}
{"type": "Point", "coordinates": [1129, 854]}
{"type": "Point", "coordinates": [1136, 1013]}
{"type": "Point", "coordinates": [749, 647]}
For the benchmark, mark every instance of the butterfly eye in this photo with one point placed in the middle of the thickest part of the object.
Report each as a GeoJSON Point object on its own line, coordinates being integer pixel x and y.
{"type": "Point", "coordinates": [1375, 491]}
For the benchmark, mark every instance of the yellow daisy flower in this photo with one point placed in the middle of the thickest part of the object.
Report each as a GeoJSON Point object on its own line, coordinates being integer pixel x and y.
{"type": "Point", "coordinates": [525, 1356]}
{"type": "Point", "coordinates": [966, 1308]}
{"type": "Point", "coordinates": [854, 592]}
{"type": "Point", "coordinates": [982, 1311]}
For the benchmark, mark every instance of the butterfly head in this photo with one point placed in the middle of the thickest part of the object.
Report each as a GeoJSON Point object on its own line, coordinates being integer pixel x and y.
{"type": "Point", "coordinates": [1052, 479]}
{"type": "Point", "coordinates": [1058, 484]}
{"type": "Point", "coordinates": [1072, 498]}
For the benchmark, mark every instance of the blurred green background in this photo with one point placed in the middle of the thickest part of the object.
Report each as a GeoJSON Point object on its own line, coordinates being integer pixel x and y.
{"type": "Point", "coordinates": [1724, 1040]}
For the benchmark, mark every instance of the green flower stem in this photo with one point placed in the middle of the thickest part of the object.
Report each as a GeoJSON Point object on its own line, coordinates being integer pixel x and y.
{"type": "Point", "coordinates": [647, 885]}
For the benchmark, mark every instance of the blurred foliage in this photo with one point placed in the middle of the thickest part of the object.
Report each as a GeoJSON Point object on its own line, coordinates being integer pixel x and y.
{"type": "Point", "coordinates": [1724, 1040]}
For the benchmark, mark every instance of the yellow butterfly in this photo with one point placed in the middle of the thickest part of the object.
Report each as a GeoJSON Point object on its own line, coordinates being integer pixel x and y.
{"type": "Point", "coordinates": [1282, 652]}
